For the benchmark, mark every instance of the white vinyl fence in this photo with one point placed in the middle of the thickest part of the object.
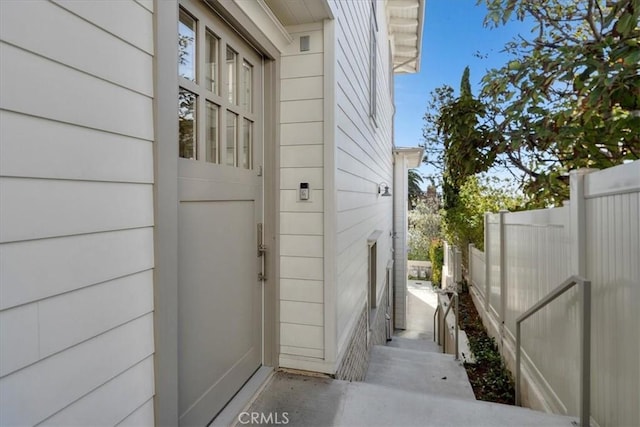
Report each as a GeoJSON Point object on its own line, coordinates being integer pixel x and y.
{"type": "Point", "coordinates": [595, 235]}
{"type": "Point", "coordinates": [452, 267]}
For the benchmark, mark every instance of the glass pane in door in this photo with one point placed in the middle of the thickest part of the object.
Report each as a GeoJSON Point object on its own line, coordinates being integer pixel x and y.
{"type": "Point", "coordinates": [247, 144]}
{"type": "Point", "coordinates": [187, 46]}
{"type": "Point", "coordinates": [187, 124]}
{"type": "Point", "coordinates": [232, 136]}
{"type": "Point", "coordinates": [247, 86]}
{"type": "Point", "coordinates": [232, 59]}
{"type": "Point", "coordinates": [212, 133]}
{"type": "Point", "coordinates": [211, 62]}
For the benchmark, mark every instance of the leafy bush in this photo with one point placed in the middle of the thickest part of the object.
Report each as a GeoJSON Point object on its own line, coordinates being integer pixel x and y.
{"type": "Point", "coordinates": [436, 255]}
{"type": "Point", "coordinates": [464, 222]}
{"type": "Point", "coordinates": [424, 226]}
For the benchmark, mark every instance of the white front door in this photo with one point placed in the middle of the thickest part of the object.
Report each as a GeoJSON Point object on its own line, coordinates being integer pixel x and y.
{"type": "Point", "coordinates": [220, 192]}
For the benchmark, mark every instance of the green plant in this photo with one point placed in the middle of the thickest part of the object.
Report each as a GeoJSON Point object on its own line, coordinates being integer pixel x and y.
{"type": "Point", "coordinates": [464, 222]}
{"type": "Point", "coordinates": [424, 226]}
{"type": "Point", "coordinates": [489, 377]}
{"type": "Point", "coordinates": [567, 97]}
{"type": "Point", "coordinates": [436, 256]}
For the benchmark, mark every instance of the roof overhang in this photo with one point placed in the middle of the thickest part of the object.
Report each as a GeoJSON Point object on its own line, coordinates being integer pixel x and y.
{"type": "Point", "coordinates": [406, 22]}
{"type": "Point", "coordinates": [412, 154]}
{"type": "Point", "coordinates": [298, 12]}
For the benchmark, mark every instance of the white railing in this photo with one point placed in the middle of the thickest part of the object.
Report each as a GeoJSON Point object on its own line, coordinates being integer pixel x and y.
{"type": "Point", "coordinates": [596, 236]}
{"type": "Point", "coordinates": [441, 328]}
{"type": "Point", "coordinates": [584, 386]}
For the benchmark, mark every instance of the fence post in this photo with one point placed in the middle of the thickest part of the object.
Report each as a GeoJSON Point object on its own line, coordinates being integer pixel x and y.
{"type": "Point", "coordinates": [487, 265]}
{"type": "Point", "coordinates": [577, 209]}
{"type": "Point", "coordinates": [503, 275]}
{"type": "Point", "coordinates": [457, 272]}
{"type": "Point", "coordinates": [470, 272]}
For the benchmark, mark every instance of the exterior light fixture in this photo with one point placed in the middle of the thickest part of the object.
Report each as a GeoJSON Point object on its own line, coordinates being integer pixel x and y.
{"type": "Point", "coordinates": [383, 190]}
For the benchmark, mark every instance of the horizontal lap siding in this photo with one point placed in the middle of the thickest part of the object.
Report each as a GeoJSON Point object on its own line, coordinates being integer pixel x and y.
{"type": "Point", "coordinates": [400, 242]}
{"type": "Point", "coordinates": [76, 213]}
{"type": "Point", "coordinates": [301, 222]}
{"type": "Point", "coordinates": [363, 160]}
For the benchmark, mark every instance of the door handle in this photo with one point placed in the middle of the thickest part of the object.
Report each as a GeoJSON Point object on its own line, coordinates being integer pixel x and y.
{"type": "Point", "coordinates": [262, 250]}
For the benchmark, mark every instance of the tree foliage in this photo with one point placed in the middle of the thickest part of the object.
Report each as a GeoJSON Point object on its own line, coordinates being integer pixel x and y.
{"type": "Point", "coordinates": [464, 134]}
{"type": "Point", "coordinates": [415, 192]}
{"type": "Point", "coordinates": [436, 256]}
{"type": "Point", "coordinates": [568, 97]}
{"type": "Point", "coordinates": [464, 223]}
{"type": "Point", "coordinates": [424, 227]}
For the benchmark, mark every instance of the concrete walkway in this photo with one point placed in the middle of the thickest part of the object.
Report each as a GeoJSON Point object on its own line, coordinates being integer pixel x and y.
{"type": "Point", "coordinates": [408, 383]}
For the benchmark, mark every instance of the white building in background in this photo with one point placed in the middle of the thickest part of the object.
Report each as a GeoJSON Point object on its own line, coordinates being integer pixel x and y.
{"type": "Point", "coordinates": [153, 256]}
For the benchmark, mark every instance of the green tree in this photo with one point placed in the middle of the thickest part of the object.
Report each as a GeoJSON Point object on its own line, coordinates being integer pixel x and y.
{"type": "Point", "coordinates": [414, 181]}
{"type": "Point", "coordinates": [464, 223]}
{"type": "Point", "coordinates": [432, 139]}
{"type": "Point", "coordinates": [460, 123]}
{"type": "Point", "coordinates": [436, 256]}
{"type": "Point", "coordinates": [569, 96]}
{"type": "Point", "coordinates": [424, 227]}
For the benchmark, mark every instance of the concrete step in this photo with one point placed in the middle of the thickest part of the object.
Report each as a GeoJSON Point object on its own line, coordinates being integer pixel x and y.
{"type": "Point", "coordinates": [426, 345]}
{"type": "Point", "coordinates": [313, 401]}
{"type": "Point", "coordinates": [418, 371]}
{"type": "Point", "coordinates": [375, 405]}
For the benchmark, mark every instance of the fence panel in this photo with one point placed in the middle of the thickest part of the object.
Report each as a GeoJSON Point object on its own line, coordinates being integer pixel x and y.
{"type": "Point", "coordinates": [537, 259]}
{"type": "Point", "coordinates": [613, 266]}
{"type": "Point", "coordinates": [477, 270]}
{"type": "Point", "coordinates": [596, 235]}
{"type": "Point", "coordinates": [493, 262]}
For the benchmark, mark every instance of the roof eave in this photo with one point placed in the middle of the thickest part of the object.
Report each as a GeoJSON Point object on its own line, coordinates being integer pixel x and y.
{"type": "Point", "coordinates": [405, 23]}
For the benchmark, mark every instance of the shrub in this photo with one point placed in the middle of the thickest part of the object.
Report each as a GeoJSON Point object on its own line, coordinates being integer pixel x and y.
{"type": "Point", "coordinates": [436, 255]}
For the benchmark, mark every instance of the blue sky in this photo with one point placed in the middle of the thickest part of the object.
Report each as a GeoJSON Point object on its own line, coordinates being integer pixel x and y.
{"type": "Point", "coordinates": [453, 33]}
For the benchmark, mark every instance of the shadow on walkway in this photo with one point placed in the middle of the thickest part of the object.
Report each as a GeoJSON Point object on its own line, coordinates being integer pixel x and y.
{"type": "Point", "coordinates": [409, 383]}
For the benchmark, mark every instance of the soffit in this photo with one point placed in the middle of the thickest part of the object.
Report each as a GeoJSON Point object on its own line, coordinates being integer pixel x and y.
{"type": "Point", "coordinates": [406, 20]}
{"type": "Point", "coordinates": [297, 12]}
{"type": "Point", "coordinates": [412, 154]}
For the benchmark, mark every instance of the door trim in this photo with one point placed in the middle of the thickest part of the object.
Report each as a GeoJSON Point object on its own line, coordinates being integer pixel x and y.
{"type": "Point", "coordinates": [166, 196]}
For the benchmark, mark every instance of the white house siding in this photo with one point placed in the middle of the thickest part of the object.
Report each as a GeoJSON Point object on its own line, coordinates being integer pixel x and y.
{"type": "Point", "coordinates": [400, 201]}
{"type": "Point", "coordinates": [76, 213]}
{"type": "Point", "coordinates": [363, 161]}
{"type": "Point", "coordinates": [301, 222]}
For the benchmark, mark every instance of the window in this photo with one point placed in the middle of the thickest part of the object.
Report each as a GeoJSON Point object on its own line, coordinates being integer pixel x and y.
{"type": "Point", "coordinates": [216, 93]}
{"type": "Point", "coordinates": [373, 51]}
{"type": "Point", "coordinates": [211, 62]}
{"type": "Point", "coordinates": [187, 103]}
{"type": "Point", "coordinates": [373, 265]}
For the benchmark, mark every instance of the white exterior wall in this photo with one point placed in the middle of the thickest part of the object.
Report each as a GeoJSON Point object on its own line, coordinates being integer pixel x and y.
{"type": "Point", "coordinates": [76, 213]}
{"type": "Point", "coordinates": [400, 243]}
{"type": "Point", "coordinates": [301, 222]}
{"type": "Point", "coordinates": [363, 161]}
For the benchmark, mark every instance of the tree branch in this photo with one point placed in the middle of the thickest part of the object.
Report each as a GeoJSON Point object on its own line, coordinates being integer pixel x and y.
{"type": "Point", "coordinates": [518, 163]}
{"type": "Point", "coordinates": [592, 24]}
{"type": "Point", "coordinates": [546, 18]}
